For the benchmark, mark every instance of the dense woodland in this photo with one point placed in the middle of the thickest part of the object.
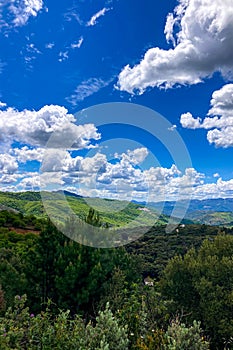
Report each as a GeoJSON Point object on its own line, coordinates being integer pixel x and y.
{"type": "Point", "coordinates": [58, 294]}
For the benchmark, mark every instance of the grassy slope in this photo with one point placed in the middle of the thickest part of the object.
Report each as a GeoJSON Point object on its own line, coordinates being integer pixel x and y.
{"type": "Point", "coordinates": [115, 213]}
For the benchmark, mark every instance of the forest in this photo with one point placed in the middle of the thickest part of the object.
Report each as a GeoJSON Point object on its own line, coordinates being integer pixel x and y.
{"type": "Point", "coordinates": [163, 291]}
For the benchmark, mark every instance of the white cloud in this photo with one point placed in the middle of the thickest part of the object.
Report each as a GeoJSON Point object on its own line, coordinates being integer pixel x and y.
{"type": "Point", "coordinates": [32, 48]}
{"type": "Point", "coordinates": [125, 182]}
{"type": "Point", "coordinates": [134, 157]}
{"type": "Point", "coordinates": [95, 176]}
{"type": "Point", "coordinates": [72, 13]}
{"type": "Point", "coordinates": [168, 30]}
{"type": "Point", "coordinates": [3, 105]}
{"type": "Point", "coordinates": [188, 180]}
{"type": "Point", "coordinates": [78, 44]}
{"type": "Point", "coordinates": [172, 128]}
{"type": "Point", "coordinates": [60, 160]}
{"type": "Point", "coordinates": [160, 175]}
{"type": "Point", "coordinates": [219, 118]}
{"type": "Point", "coordinates": [93, 164]}
{"type": "Point", "coordinates": [221, 138]}
{"type": "Point", "coordinates": [220, 189]}
{"type": "Point", "coordinates": [63, 56]}
{"type": "Point", "coordinates": [86, 89]}
{"type": "Point", "coordinates": [189, 122]}
{"type": "Point", "coordinates": [202, 33]}
{"type": "Point", "coordinates": [31, 183]}
{"type": "Point", "coordinates": [94, 18]}
{"type": "Point", "coordinates": [8, 179]}
{"type": "Point", "coordinates": [8, 164]}
{"type": "Point", "coordinates": [36, 127]}
{"type": "Point", "coordinates": [22, 10]}
{"type": "Point", "coordinates": [49, 46]}
{"type": "Point", "coordinates": [26, 154]}
{"type": "Point", "coordinates": [30, 53]}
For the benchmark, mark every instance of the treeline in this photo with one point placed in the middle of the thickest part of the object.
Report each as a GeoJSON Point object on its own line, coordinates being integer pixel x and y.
{"type": "Point", "coordinates": [155, 248]}
{"type": "Point", "coordinates": [58, 294]}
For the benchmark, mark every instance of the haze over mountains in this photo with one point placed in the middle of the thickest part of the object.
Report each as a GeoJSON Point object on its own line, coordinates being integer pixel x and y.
{"type": "Point", "coordinates": [217, 211]}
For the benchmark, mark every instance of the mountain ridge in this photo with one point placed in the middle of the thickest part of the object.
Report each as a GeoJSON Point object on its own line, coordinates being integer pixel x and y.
{"type": "Point", "coordinates": [216, 211]}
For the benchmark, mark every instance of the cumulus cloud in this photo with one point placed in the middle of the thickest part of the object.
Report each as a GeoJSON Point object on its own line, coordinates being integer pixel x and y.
{"type": "Point", "coordinates": [159, 174]}
{"type": "Point", "coordinates": [121, 179]}
{"type": "Point", "coordinates": [201, 32]}
{"type": "Point", "coordinates": [96, 176]}
{"type": "Point", "coordinates": [31, 183]}
{"type": "Point", "coordinates": [36, 127]}
{"type": "Point", "coordinates": [36, 133]}
{"type": "Point", "coordinates": [7, 179]}
{"type": "Point", "coordinates": [126, 182]}
{"type": "Point", "coordinates": [220, 189]}
{"type": "Point", "coordinates": [216, 175]}
{"type": "Point", "coordinates": [219, 119]}
{"type": "Point", "coordinates": [134, 157]}
{"type": "Point", "coordinates": [25, 154]}
{"type": "Point", "coordinates": [189, 122]}
{"type": "Point", "coordinates": [8, 164]}
{"type": "Point", "coordinates": [97, 15]}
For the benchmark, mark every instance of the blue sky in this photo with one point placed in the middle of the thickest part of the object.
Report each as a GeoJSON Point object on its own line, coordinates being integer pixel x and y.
{"type": "Point", "coordinates": [60, 58]}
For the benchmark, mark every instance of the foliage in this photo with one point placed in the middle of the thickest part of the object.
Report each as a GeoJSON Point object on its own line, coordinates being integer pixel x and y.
{"type": "Point", "coordinates": [21, 329]}
{"type": "Point", "coordinates": [48, 266]}
{"type": "Point", "coordinates": [180, 337]}
{"type": "Point", "coordinates": [142, 308]}
{"type": "Point", "coordinates": [110, 211]}
{"type": "Point", "coordinates": [155, 248]}
{"type": "Point", "coordinates": [201, 284]}
{"type": "Point", "coordinates": [2, 300]}
{"type": "Point", "coordinates": [71, 274]}
{"type": "Point", "coordinates": [107, 333]}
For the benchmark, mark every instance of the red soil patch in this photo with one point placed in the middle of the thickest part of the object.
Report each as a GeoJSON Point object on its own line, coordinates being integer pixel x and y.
{"type": "Point", "coordinates": [24, 230]}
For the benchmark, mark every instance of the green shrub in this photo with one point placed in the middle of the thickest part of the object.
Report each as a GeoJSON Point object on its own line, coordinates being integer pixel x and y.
{"type": "Point", "coordinates": [180, 337]}
{"type": "Point", "coordinates": [19, 329]}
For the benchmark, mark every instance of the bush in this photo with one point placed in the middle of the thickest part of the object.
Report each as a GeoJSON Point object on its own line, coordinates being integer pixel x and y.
{"type": "Point", "coordinates": [180, 337]}
{"type": "Point", "coordinates": [107, 334]}
{"type": "Point", "coordinates": [22, 330]}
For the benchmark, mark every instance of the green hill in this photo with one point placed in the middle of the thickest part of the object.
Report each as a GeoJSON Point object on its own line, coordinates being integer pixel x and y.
{"type": "Point", "coordinates": [113, 212]}
{"type": "Point", "coordinates": [220, 218]}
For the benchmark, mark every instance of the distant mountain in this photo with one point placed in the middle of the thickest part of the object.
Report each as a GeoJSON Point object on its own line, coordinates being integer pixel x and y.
{"type": "Point", "coordinates": [68, 193]}
{"type": "Point", "coordinates": [214, 218]}
{"type": "Point", "coordinates": [217, 211]}
{"type": "Point", "coordinates": [218, 204]}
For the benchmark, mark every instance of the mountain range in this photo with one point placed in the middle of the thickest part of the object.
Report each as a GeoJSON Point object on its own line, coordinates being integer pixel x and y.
{"type": "Point", "coordinates": [118, 213]}
{"type": "Point", "coordinates": [217, 211]}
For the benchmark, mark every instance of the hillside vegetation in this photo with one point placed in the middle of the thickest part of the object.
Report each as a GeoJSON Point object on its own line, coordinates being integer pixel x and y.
{"type": "Point", "coordinates": [164, 291]}
{"type": "Point", "coordinates": [113, 212]}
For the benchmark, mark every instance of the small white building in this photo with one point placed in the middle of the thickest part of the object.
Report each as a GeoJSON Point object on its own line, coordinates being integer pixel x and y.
{"type": "Point", "coordinates": [148, 281]}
